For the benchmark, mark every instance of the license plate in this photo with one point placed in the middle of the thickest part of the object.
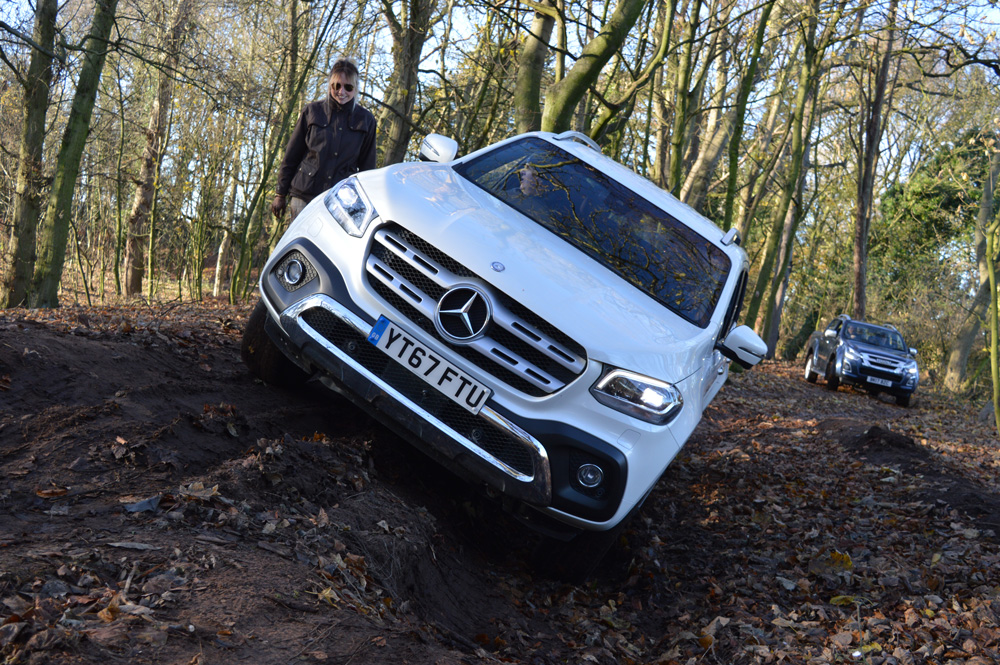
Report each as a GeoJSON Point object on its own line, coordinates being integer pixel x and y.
{"type": "Point", "coordinates": [879, 382]}
{"type": "Point", "coordinates": [406, 350]}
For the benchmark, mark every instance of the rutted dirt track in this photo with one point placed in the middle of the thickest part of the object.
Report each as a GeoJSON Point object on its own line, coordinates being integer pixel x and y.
{"type": "Point", "coordinates": [158, 505]}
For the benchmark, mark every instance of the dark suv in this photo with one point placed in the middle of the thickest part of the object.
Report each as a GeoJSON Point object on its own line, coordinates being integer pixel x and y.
{"type": "Point", "coordinates": [870, 356]}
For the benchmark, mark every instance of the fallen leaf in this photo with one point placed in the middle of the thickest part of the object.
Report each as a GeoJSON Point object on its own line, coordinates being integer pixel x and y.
{"type": "Point", "coordinates": [133, 546]}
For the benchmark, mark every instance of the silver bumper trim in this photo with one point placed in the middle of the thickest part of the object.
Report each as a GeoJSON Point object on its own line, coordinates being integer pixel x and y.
{"type": "Point", "coordinates": [362, 386]}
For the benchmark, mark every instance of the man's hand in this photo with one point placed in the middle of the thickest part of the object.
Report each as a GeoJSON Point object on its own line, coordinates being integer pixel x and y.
{"type": "Point", "coordinates": [278, 206]}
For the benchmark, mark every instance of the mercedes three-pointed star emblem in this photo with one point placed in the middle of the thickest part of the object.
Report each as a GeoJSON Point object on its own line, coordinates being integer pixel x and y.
{"type": "Point", "coordinates": [463, 313]}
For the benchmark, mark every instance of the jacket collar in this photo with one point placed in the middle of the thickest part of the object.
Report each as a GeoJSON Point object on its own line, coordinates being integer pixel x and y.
{"type": "Point", "coordinates": [356, 112]}
{"type": "Point", "coordinates": [331, 106]}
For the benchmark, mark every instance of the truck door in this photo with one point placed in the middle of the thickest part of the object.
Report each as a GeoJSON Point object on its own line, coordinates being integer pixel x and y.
{"type": "Point", "coordinates": [827, 343]}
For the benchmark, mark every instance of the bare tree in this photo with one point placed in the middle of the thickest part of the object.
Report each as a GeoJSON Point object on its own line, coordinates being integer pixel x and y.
{"type": "Point", "coordinates": [54, 230]}
{"type": "Point", "coordinates": [142, 202]}
{"type": "Point", "coordinates": [18, 270]}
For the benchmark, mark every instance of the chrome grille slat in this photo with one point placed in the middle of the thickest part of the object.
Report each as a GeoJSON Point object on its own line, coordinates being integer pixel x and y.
{"type": "Point", "coordinates": [430, 268]}
{"type": "Point", "coordinates": [378, 269]}
{"type": "Point", "coordinates": [539, 340]}
{"type": "Point", "coordinates": [521, 349]}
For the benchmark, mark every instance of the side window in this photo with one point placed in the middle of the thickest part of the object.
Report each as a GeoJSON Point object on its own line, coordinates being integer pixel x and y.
{"type": "Point", "coordinates": [834, 325]}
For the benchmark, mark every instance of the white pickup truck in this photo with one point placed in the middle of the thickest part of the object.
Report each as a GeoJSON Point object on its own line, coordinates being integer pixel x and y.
{"type": "Point", "coordinates": [534, 315]}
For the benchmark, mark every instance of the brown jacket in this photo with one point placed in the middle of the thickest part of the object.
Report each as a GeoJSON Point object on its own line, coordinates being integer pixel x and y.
{"type": "Point", "coordinates": [329, 143]}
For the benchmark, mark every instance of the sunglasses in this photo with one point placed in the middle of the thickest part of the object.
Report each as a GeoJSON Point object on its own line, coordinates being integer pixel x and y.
{"type": "Point", "coordinates": [346, 86]}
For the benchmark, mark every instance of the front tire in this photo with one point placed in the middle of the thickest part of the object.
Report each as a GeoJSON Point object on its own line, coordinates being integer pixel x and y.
{"type": "Point", "coordinates": [263, 357]}
{"type": "Point", "coordinates": [810, 372]}
{"type": "Point", "coordinates": [576, 560]}
{"type": "Point", "coordinates": [903, 399]}
{"type": "Point", "coordinates": [832, 379]}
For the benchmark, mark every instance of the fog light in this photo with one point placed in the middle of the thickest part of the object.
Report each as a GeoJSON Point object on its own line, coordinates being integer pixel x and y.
{"type": "Point", "coordinates": [294, 272]}
{"type": "Point", "coordinates": [590, 475]}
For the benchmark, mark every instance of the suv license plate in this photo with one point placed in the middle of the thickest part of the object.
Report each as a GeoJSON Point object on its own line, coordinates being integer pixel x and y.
{"type": "Point", "coordinates": [879, 382]}
{"type": "Point", "coordinates": [455, 384]}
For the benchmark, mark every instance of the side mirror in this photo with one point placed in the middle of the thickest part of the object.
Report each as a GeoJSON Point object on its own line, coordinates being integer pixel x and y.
{"type": "Point", "coordinates": [913, 352]}
{"type": "Point", "coordinates": [438, 148]}
{"type": "Point", "coordinates": [829, 332]}
{"type": "Point", "coordinates": [744, 346]}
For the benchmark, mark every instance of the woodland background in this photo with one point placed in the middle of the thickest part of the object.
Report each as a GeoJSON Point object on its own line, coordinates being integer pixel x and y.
{"type": "Point", "coordinates": [854, 143]}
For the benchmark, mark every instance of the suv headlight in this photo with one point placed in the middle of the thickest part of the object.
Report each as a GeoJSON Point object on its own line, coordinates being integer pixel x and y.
{"type": "Point", "coordinates": [850, 353]}
{"type": "Point", "coordinates": [639, 396]}
{"type": "Point", "coordinates": [349, 205]}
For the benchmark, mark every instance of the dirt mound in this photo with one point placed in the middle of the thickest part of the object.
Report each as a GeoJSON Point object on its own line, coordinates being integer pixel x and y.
{"type": "Point", "coordinates": [140, 448]}
{"type": "Point", "coordinates": [159, 506]}
{"type": "Point", "coordinates": [947, 485]}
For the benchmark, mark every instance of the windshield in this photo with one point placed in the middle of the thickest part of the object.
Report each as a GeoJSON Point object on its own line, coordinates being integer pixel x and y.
{"type": "Point", "coordinates": [874, 335]}
{"type": "Point", "coordinates": [608, 221]}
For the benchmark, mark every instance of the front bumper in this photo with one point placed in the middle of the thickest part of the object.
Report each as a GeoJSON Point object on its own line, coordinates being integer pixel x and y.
{"type": "Point", "coordinates": [530, 457]}
{"type": "Point", "coordinates": [864, 374]}
{"type": "Point", "coordinates": [451, 443]}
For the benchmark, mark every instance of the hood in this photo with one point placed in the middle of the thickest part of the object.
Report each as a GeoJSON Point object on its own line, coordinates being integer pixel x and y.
{"type": "Point", "coordinates": [615, 322]}
{"type": "Point", "coordinates": [872, 348]}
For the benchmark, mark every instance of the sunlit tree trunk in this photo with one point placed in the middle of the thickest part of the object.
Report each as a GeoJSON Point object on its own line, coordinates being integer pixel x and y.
{"type": "Point", "coordinates": [992, 318]}
{"type": "Point", "coordinates": [774, 304]}
{"type": "Point", "coordinates": [251, 223]}
{"type": "Point", "coordinates": [739, 114]}
{"type": "Point", "coordinates": [874, 110]}
{"type": "Point", "coordinates": [55, 225]}
{"type": "Point", "coordinates": [20, 265]}
{"type": "Point", "coordinates": [531, 67]}
{"type": "Point", "coordinates": [651, 71]}
{"type": "Point", "coordinates": [290, 94]}
{"type": "Point", "coordinates": [814, 52]}
{"type": "Point", "coordinates": [965, 337]}
{"type": "Point", "coordinates": [682, 99]}
{"type": "Point", "coordinates": [715, 135]}
{"type": "Point", "coordinates": [409, 30]}
{"type": "Point", "coordinates": [142, 202]}
{"type": "Point", "coordinates": [766, 150]}
{"type": "Point", "coordinates": [561, 98]}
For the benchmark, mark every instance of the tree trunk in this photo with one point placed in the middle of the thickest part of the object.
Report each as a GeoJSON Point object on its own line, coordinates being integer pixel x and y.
{"type": "Point", "coordinates": [958, 354]}
{"type": "Point", "coordinates": [774, 304]}
{"type": "Point", "coordinates": [992, 319]}
{"type": "Point", "coordinates": [409, 32]}
{"type": "Point", "coordinates": [155, 132]}
{"type": "Point", "coordinates": [248, 228]}
{"type": "Point", "coordinates": [530, 67]}
{"type": "Point", "coordinates": [55, 225]}
{"type": "Point", "coordinates": [682, 100]}
{"type": "Point", "coordinates": [715, 136]}
{"type": "Point", "coordinates": [804, 92]}
{"type": "Point", "coordinates": [739, 114]}
{"type": "Point", "coordinates": [652, 71]}
{"type": "Point", "coordinates": [561, 98]}
{"type": "Point", "coordinates": [868, 152]}
{"type": "Point", "coordinates": [27, 195]}
{"type": "Point", "coordinates": [814, 52]}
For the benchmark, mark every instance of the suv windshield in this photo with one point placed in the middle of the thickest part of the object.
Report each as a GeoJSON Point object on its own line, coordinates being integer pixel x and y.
{"type": "Point", "coordinates": [608, 221]}
{"type": "Point", "coordinates": [874, 335]}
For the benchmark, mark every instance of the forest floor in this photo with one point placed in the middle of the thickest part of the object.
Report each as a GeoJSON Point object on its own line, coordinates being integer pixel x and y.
{"type": "Point", "coordinates": [157, 505]}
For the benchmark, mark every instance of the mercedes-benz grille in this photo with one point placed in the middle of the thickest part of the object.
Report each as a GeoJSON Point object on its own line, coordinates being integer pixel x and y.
{"type": "Point", "coordinates": [517, 346]}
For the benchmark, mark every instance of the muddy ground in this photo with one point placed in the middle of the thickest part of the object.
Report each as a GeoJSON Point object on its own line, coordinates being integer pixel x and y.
{"type": "Point", "coordinates": [158, 505]}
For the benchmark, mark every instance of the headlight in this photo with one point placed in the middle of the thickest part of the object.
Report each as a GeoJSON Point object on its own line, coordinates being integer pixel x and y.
{"type": "Point", "coordinates": [350, 207]}
{"type": "Point", "coordinates": [639, 396]}
{"type": "Point", "coordinates": [912, 369]}
{"type": "Point", "coordinates": [851, 354]}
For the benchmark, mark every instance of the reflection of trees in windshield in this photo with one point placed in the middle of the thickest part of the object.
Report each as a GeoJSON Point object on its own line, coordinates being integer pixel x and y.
{"type": "Point", "coordinates": [875, 336]}
{"type": "Point", "coordinates": [608, 221]}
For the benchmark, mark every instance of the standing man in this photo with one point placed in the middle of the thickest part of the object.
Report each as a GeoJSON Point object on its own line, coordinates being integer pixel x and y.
{"type": "Point", "coordinates": [332, 139]}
